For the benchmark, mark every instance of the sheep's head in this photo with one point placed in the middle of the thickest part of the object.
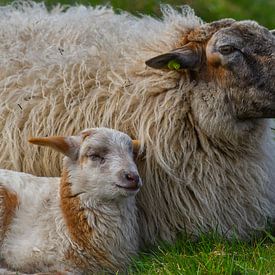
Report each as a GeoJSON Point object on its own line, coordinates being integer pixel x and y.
{"type": "Point", "coordinates": [99, 163]}
{"type": "Point", "coordinates": [237, 58]}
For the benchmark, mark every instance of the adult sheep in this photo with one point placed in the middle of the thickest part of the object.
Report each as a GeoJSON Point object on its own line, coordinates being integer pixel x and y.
{"type": "Point", "coordinates": [209, 152]}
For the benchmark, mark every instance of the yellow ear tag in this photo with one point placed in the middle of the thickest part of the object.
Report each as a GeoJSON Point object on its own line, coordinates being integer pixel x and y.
{"type": "Point", "coordinates": [173, 65]}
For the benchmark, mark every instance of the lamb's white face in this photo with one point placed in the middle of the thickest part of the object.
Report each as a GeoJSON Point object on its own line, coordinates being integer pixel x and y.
{"type": "Point", "coordinates": [99, 163]}
{"type": "Point", "coordinates": [105, 166]}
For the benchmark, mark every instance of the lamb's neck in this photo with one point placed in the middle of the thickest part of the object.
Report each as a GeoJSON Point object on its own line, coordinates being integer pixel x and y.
{"type": "Point", "coordinates": [105, 226]}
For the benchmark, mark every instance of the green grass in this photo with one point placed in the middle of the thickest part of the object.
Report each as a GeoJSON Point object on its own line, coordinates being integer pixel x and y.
{"type": "Point", "coordinates": [208, 255]}
{"type": "Point", "coordinates": [259, 10]}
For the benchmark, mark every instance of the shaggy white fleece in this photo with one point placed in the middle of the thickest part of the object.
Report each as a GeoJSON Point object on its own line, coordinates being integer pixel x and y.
{"type": "Point", "coordinates": [62, 71]}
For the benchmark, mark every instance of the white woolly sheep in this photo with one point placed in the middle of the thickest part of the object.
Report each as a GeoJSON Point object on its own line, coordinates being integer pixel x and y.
{"type": "Point", "coordinates": [209, 152]}
{"type": "Point", "coordinates": [84, 221]}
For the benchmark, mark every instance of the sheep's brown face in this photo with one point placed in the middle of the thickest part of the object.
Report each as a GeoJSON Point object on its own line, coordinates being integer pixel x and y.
{"type": "Point", "coordinates": [236, 57]}
{"type": "Point", "coordinates": [242, 57]}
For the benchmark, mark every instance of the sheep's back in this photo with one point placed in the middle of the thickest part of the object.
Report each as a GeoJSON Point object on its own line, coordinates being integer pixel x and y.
{"type": "Point", "coordinates": [65, 71]}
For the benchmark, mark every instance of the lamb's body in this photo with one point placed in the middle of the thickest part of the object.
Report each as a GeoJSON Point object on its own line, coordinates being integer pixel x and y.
{"type": "Point", "coordinates": [38, 232]}
{"type": "Point", "coordinates": [46, 225]}
{"type": "Point", "coordinates": [63, 71]}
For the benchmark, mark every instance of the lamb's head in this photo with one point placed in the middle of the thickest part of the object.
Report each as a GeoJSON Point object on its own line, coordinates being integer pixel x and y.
{"type": "Point", "coordinates": [99, 162]}
{"type": "Point", "coordinates": [233, 60]}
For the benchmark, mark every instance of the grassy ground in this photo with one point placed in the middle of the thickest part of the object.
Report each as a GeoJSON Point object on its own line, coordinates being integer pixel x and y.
{"type": "Point", "coordinates": [209, 255]}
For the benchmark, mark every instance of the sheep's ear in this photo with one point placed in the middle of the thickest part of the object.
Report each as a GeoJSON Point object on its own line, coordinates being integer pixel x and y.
{"type": "Point", "coordinates": [69, 146]}
{"type": "Point", "coordinates": [187, 57]}
{"type": "Point", "coordinates": [136, 146]}
{"type": "Point", "coordinates": [273, 32]}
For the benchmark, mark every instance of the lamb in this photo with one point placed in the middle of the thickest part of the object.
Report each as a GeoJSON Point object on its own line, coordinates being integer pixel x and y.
{"type": "Point", "coordinates": [84, 221]}
{"type": "Point", "coordinates": [209, 150]}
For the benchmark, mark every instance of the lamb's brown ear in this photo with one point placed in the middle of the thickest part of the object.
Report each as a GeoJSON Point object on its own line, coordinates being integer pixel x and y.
{"type": "Point", "coordinates": [187, 57]}
{"type": "Point", "coordinates": [86, 133]}
{"type": "Point", "coordinates": [69, 146]}
{"type": "Point", "coordinates": [136, 146]}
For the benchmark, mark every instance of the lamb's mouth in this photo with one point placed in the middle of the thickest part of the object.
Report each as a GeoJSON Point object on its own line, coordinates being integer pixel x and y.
{"type": "Point", "coordinates": [129, 187]}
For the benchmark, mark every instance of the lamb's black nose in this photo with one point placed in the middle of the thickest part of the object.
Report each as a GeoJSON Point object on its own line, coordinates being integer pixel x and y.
{"type": "Point", "coordinates": [132, 180]}
{"type": "Point", "coordinates": [129, 180]}
{"type": "Point", "coordinates": [132, 177]}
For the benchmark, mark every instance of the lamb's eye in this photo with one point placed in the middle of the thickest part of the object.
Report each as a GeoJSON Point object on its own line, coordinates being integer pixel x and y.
{"type": "Point", "coordinates": [96, 157]}
{"type": "Point", "coordinates": [226, 49]}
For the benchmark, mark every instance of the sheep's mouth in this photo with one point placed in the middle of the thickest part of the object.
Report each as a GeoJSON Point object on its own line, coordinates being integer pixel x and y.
{"type": "Point", "coordinates": [258, 112]}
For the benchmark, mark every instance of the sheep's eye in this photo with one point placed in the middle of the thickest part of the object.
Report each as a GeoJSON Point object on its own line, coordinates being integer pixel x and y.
{"type": "Point", "coordinates": [226, 49]}
{"type": "Point", "coordinates": [96, 157]}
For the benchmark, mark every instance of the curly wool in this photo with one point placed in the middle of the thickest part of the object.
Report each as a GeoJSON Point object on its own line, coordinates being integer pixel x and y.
{"type": "Point", "coordinates": [62, 71]}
